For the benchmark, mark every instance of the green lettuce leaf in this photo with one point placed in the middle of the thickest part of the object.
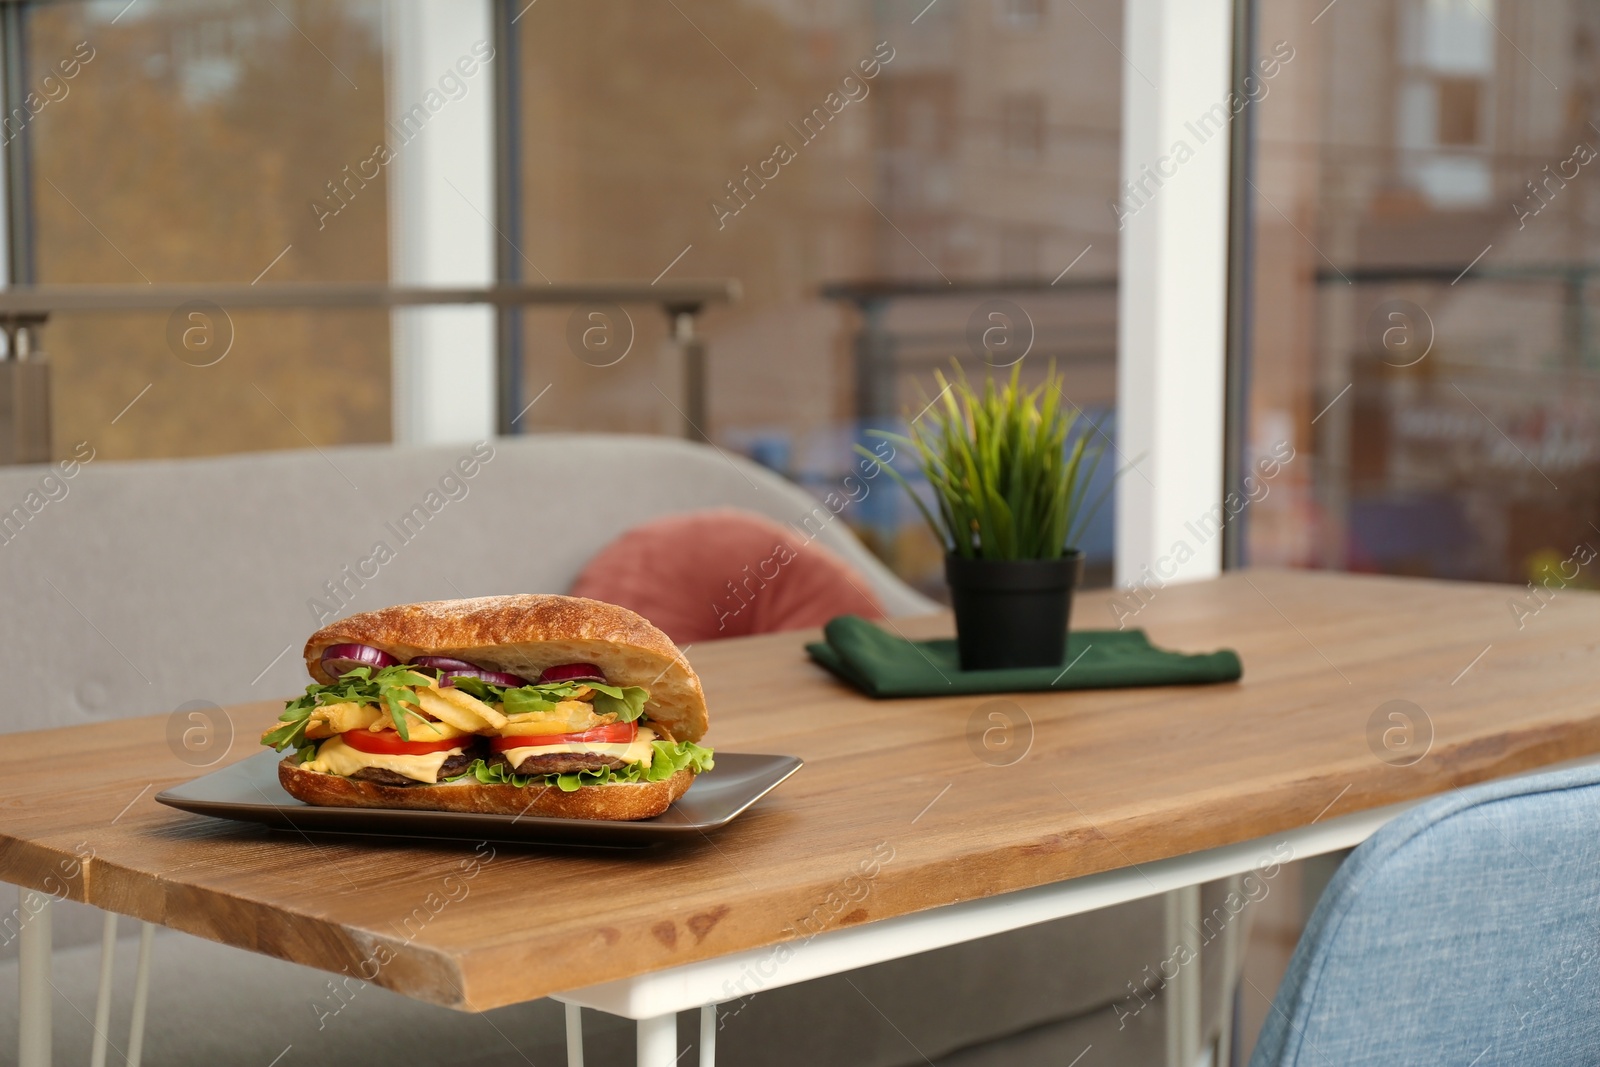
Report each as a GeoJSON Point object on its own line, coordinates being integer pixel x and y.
{"type": "Point", "coordinates": [625, 702]}
{"type": "Point", "coordinates": [528, 698]}
{"type": "Point", "coordinates": [670, 758]}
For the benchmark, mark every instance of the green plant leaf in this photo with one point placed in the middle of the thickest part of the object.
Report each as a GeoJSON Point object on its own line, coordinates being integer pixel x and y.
{"type": "Point", "coordinates": [1009, 466]}
{"type": "Point", "coordinates": [933, 524]}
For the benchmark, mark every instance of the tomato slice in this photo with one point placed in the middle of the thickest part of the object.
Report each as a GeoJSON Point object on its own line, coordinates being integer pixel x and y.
{"type": "Point", "coordinates": [388, 743]}
{"type": "Point", "coordinates": [618, 733]}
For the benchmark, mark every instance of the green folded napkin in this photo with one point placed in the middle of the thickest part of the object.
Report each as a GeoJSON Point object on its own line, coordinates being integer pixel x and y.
{"type": "Point", "coordinates": [882, 664]}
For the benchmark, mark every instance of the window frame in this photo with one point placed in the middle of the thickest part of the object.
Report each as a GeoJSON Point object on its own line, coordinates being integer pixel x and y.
{"type": "Point", "coordinates": [1173, 374]}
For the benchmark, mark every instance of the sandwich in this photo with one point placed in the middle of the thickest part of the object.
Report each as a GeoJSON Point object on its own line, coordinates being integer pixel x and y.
{"type": "Point", "coordinates": [536, 705]}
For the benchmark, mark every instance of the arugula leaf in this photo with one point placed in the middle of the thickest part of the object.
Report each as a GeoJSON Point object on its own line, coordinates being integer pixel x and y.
{"type": "Point", "coordinates": [291, 733]}
{"type": "Point", "coordinates": [389, 688]}
{"type": "Point", "coordinates": [670, 758]}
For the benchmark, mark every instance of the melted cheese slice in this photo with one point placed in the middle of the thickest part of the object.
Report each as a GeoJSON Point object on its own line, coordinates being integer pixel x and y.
{"type": "Point", "coordinates": [636, 751]}
{"type": "Point", "coordinates": [336, 757]}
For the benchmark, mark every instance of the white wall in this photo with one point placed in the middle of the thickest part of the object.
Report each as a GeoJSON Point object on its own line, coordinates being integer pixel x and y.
{"type": "Point", "coordinates": [441, 201]}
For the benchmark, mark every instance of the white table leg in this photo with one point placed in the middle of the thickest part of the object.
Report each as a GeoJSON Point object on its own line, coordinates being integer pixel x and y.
{"type": "Point", "coordinates": [141, 995]}
{"type": "Point", "coordinates": [574, 1035]}
{"type": "Point", "coordinates": [1182, 1008]}
{"type": "Point", "coordinates": [1231, 937]}
{"type": "Point", "coordinates": [33, 970]}
{"type": "Point", "coordinates": [708, 1036]}
{"type": "Point", "coordinates": [102, 1001]}
{"type": "Point", "coordinates": [657, 1041]}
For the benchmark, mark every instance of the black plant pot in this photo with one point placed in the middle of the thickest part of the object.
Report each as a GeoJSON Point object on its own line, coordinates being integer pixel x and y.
{"type": "Point", "coordinates": [1012, 613]}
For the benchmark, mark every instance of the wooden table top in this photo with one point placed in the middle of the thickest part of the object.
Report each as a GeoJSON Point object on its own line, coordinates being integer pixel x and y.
{"type": "Point", "coordinates": [900, 806]}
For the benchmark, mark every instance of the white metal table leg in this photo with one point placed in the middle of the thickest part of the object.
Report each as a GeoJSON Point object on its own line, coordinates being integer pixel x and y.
{"type": "Point", "coordinates": [708, 1036]}
{"type": "Point", "coordinates": [141, 995]}
{"type": "Point", "coordinates": [1182, 997]}
{"type": "Point", "coordinates": [33, 968]}
{"type": "Point", "coordinates": [1231, 937]}
{"type": "Point", "coordinates": [574, 1035]}
{"type": "Point", "coordinates": [657, 1040]}
{"type": "Point", "coordinates": [102, 1002]}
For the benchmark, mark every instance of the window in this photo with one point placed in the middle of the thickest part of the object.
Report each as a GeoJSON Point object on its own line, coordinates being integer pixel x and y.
{"type": "Point", "coordinates": [1460, 106]}
{"type": "Point", "coordinates": [1446, 59]}
{"type": "Point", "coordinates": [1421, 306]}
{"type": "Point", "coordinates": [885, 180]}
{"type": "Point", "coordinates": [892, 175]}
{"type": "Point", "coordinates": [194, 143]}
{"type": "Point", "coordinates": [1021, 15]}
{"type": "Point", "coordinates": [1022, 120]}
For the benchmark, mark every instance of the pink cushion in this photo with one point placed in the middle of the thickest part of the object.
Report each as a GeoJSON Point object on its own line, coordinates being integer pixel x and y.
{"type": "Point", "coordinates": [724, 573]}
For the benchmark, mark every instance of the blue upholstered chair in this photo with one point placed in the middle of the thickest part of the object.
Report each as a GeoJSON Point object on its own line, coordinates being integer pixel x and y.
{"type": "Point", "coordinates": [1466, 932]}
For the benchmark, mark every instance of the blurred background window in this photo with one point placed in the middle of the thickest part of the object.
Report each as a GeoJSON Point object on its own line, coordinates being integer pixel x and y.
{"type": "Point", "coordinates": [876, 175]}
{"type": "Point", "coordinates": [1425, 234]}
{"type": "Point", "coordinates": [190, 145]}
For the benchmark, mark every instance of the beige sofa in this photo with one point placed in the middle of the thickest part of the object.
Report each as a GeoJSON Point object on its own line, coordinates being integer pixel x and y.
{"type": "Point", "coordinates": [138, 588]}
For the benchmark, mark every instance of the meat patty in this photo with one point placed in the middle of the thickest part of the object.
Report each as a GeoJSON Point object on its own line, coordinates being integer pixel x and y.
{"type": "Point", "coordinates": [451, 767]}
{"type": "Point", "coordinates": [456, 764]}
{"type": "Point", "coordinates": [563, 763]}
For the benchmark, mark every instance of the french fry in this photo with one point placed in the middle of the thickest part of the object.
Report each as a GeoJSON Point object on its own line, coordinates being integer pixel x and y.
{"type": "Point", "coordinates": [429, 700]}
{"type": "Point", "coordinates": [471, 704]}
{"type": "Point", "coordinates": [333, 719]}
{"type": "Point", "coordinates": [581, 711]}
{"type": "Point", "coordinates": [573, 712]}
{"type": "Point", "coordinates": [567, 717]}
{"type": "Point", "coordinates": [425, 730]}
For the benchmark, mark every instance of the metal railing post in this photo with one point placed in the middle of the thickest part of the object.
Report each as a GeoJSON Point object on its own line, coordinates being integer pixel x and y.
{"type": "Point", "coordinates": [24, 392]}
{"type": "Point", "coordinates": [692, 354]}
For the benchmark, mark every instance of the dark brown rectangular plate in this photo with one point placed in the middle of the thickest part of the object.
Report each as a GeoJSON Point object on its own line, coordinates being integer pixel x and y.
{"type": "Point", "coordinates": [248, 791]}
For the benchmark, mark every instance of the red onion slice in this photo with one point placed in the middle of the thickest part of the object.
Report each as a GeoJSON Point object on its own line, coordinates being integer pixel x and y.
{"type": "Point", "coordinates": [444, 663]}
{"type": "Point", "coordinates": [573, 672]}
{"type": "Point", "coordinates": [339, 660]}
{"type": "Point", "coordinates": [446, 668]}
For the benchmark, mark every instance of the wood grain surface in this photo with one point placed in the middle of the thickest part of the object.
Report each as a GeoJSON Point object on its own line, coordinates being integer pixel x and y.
{"type": "Point", "coordinates": [900, 806]}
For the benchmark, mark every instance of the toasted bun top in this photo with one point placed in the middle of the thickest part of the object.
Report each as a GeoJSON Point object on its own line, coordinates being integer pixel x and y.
{"type": "Point", "coordinates": [526, 633]}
